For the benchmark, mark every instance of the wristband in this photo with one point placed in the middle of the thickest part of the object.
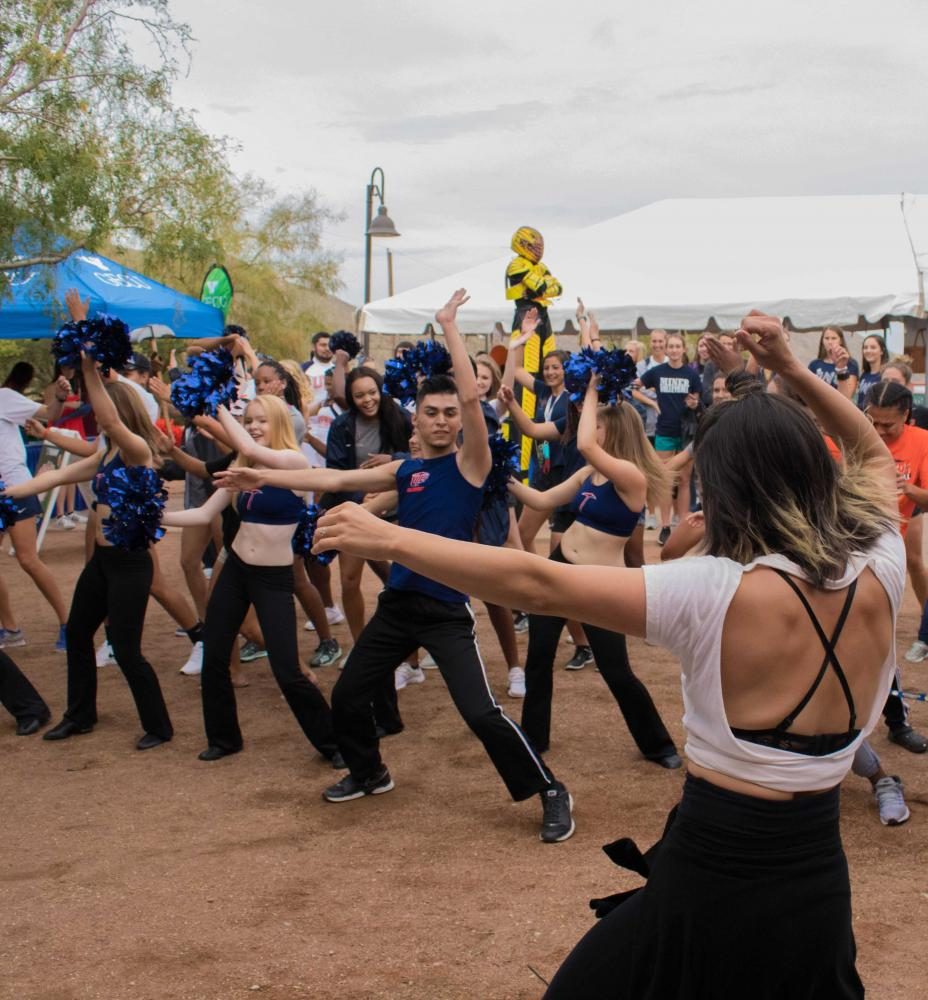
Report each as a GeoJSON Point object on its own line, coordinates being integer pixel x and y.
{"type": "Point", "coordinates": [61, 399]}
{"type": "Point", "coordinates": [843, 376]}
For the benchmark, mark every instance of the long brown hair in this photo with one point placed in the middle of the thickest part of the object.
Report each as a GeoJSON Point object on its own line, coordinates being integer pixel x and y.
{"type": "Point", "coordinates": [769, 486]}
{"type": "Point", "coordinates": [133, 414]}
{"type": "Point", "coordinates": [625, 438]}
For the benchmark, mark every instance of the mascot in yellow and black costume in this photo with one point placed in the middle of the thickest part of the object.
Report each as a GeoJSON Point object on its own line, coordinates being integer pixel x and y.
{"type": "Point", "coordinates": [529, 283]}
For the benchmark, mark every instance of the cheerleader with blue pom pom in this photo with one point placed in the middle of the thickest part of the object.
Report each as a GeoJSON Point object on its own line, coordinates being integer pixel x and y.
{"type": "Point", "coordinates": [258, 571]}
{"type": "Point", "coordinates": [116, 581]}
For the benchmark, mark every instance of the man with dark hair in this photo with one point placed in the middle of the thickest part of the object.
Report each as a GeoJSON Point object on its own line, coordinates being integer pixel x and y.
{"type": "Point", "coordinates": [319, 363]}
{"type": "Point", "coordinates": [442, 493]}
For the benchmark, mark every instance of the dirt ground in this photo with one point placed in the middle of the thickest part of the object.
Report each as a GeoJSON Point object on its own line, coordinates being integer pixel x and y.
{"type": "Point", "coordinates": [153, 875]}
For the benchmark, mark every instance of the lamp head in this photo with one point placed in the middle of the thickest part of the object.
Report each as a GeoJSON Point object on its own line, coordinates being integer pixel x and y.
{"type": "Point", "coordinates": [382, 224]}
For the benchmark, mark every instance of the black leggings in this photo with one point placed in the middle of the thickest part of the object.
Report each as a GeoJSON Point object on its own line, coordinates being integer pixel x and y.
{"type": "Point", "coordinates": [114, 585]}
{"type": "Point", "coordinates": [611, 655]}
{"type": "Point", "coordinates": [17, 695]}
{"type": "Point", "coordinates": [270, 590]}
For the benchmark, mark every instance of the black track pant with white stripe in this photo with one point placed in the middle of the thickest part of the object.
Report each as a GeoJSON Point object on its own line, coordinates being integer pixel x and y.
{"type": "Point", "coordinates": [404, 621]}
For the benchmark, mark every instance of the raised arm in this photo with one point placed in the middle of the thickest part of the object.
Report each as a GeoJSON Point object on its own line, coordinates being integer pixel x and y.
{"type": "Point", "coordinates": [340, 378]}
{"type": "Point", "coordinates": [61, 439]}
{"type": "Point", "coordinates": [552, 498]}
{"type": "Point", "coordinates": [599, 595]}
{"type": "Point", "coordinates": [247, 447]}
{"type": "Point", "coordinates": [629, 481]}
{"type": "Point", "coordinates": [134, 449]}
{"type": "Point", "coordinates": [373, 480]}
{"type": "Point", "coordinates": [763, 337]}
{"type": "Point", "coordinates": [516, 354]}
{"type": "Point", "coordinates": [474, 458]}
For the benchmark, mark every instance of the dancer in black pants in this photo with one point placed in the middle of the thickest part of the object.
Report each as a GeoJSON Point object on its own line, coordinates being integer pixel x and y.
{"type": "Point", "coordinates": [606, 497]}
{"type": "Point", "coordinates": [440, 493]}
{"type": "Point", "coordinates": [20, 698]}
{"type": "Point", "coordinates": [115, 583]}
{"type": "Point", "coordinates": [258, 570]}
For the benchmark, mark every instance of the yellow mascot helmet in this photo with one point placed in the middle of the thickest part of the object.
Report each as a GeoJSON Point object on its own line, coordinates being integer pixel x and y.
{"type": "Point", "coordinates": [528, 243]}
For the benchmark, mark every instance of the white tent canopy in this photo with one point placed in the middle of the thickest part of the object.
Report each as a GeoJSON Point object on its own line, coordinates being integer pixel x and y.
{"type": "Point", "coordinates": [681, 263]}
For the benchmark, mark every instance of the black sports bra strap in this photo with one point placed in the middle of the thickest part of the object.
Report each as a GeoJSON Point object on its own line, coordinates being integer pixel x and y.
{"type": "Point", "coordinates": [829, 647]}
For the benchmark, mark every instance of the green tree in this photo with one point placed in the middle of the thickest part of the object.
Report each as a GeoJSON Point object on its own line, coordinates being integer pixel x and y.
{"type": "Point", "coordinates": [92, 150]}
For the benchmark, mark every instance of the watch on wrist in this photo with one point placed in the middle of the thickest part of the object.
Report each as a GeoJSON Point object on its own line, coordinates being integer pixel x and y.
{"type": "Point", "coordinates": [843, 374]}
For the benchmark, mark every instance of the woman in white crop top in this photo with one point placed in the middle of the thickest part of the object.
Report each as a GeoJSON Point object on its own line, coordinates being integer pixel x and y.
{"type": "Point", "coordinates": [785, 631]}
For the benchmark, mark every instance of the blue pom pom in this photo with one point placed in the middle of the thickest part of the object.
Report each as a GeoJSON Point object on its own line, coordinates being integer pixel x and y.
{"type": "Point", "coordinates": [615, 368]}
{"type": "Point", "coordinates": [401, 375]}
{"type": "Point", "coordinates": [342, 340]}
{"type": "Point", "coordinates": [505, 464]}
{"type": "Point", "coordinates": [109, 342]}
{"type": "Point", "coordinates": [303, 537]}
{"type": "Point", "coordinates": [209, 383]}
{"type": "Point", "coordinates": [9, 510]}
{"type": "Point", "coordinates": [66, 347]}
{"type": "Point", "coordinates": [136, 498]}
{"type": "Point", "coordinates": [105, 338]}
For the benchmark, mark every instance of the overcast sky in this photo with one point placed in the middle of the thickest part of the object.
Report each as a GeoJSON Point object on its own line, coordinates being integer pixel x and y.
{"type": "Point", "coordinates": [487, 116]}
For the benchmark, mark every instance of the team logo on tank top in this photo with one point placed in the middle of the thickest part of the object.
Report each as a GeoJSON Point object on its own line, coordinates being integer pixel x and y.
{"type": "Point", "coordinates": [417, 482]}
{"type": "Point", "coordinates": [587, 497]}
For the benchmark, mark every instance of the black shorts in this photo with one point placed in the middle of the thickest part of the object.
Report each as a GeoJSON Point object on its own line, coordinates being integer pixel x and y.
{"type": "Point", "coordinates": [561, 520]}
{"type": "Point", "coordinates": [27, 507]}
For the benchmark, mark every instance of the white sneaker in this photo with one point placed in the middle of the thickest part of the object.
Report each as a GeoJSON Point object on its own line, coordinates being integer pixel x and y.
{"type": "Point", "coordinates": [427, 662]}
{"type": "Point", "coordinates": [78, 518]}
{"type": "Point", "coordinates": [516, 682]}
{"type": "Point", "coordinates": [194, 665]}
{"type": "Point", "coordinates": [105, 654]}
{"type": "Point", "coordinates": [890, 801]}
{"type": "Point", "coordinates": [64, 523]}
{"type": "Point", "coordinates": [918, 651]}
{"type": "Point", "coordinates": [406, 673]}
{"type": "Point", "coordinates": [334, 615]}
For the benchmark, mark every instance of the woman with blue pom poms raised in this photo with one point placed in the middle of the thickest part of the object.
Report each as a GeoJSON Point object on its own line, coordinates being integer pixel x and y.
{"type": "Point", "coordinates": [258, 571]}
{"type": "Point", "coordinates": [607, 496]}
{"type": "Point", "coordinates": [116, 581]}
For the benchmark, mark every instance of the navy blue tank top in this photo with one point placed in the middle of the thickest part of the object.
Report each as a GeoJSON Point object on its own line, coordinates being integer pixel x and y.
{"type": "Point", "coordinates": [434, 497]}
{"type": "Point", "coordinates": [600, 507]}
{"type": "Point", "coordinates": [100, 485]}
{"type": "Point", "coordinates": [270, 505]}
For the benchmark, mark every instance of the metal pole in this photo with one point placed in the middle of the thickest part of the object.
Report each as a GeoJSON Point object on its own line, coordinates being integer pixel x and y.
{"type": "Point", "coordinates": [390, 272]}
{"type": "Point", "coordinates": [367, 261]}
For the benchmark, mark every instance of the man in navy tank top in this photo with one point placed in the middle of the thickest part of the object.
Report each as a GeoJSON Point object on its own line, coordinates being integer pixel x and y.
{"type": "Point", "coordinates": [440, 493]}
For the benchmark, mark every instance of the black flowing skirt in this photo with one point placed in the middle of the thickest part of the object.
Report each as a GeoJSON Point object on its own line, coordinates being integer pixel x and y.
{"type": "Point", "coordinates": [746, 898]}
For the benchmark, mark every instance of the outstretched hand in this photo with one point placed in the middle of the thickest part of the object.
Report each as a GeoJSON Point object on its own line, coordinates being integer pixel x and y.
{"type": "Point", "coordinates": [239, 478]}
{"type": "Point", "coordinates": [530, 321]}
{"type": "Point", "coordinates": [352, 529]}
{"type": "Point", "coordinates": [725, 359]}
{"type": "Point", "coordinates": [763, 336]}
{"type": "Point", "coordinates": [77, 308]}
{"type": "Point", "coordinates": [505, 395]}
{"type": "Point", "coordinates": [449, 310]}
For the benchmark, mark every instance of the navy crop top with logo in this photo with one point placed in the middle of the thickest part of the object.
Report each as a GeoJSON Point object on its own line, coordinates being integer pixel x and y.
{"type": "Point", "coordinates": [600, 507]}
{"type": "Point", "coordinates": [434, 497]}
{"type": "Point", "coordinates": [100, 484]}
{"type": "Point", "coordinates": [270, 505]}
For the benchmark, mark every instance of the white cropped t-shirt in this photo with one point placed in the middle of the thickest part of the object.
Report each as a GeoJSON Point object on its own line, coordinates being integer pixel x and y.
{"type": "Point", "coordinates": [687, 602]}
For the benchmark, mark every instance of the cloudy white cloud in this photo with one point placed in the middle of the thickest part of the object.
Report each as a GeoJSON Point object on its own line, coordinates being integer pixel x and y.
{"type": "Point", "coordinates": [485, 117]}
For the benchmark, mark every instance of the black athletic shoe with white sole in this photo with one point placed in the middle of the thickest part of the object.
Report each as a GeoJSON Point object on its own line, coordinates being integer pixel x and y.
{"type": "Point", "coordinates": [350, 788]}
{"type": "Point", "coordinates": [557, 823]}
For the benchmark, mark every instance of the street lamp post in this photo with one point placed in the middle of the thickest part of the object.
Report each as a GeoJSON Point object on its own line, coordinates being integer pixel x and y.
{"type": "Point", "coordinates": [381, 225]}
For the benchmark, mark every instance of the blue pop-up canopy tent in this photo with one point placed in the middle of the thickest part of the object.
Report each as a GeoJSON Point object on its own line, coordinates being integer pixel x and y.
{"type": "Point", "coordinates": [33, 308]}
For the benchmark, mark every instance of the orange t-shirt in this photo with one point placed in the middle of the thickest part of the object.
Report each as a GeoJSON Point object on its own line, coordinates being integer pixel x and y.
{"type": "Point", "coordinates": [910, 453]}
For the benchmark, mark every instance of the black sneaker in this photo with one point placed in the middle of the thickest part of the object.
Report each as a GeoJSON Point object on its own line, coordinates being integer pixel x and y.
{"type": "Point", "coordinates": [350, 788]}
{"type": "Point", "coordinates": [907, 738]}
{"type": "Point", "coordinates": [664, 535]}
{"type": "Point", "coordinates": [580, 659]}
{"type": "Point", "coordinates": [557, 823]}
{"type": "Point", "coordinates": [520, 621]}
{"type": "Point", "coordinates": [327, 653]}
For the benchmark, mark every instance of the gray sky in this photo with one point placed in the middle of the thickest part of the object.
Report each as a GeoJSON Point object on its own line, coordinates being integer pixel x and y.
{"type": "Point", "coordinates": [487, 116]}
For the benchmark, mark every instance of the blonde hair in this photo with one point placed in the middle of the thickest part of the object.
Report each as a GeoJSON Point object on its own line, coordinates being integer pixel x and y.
{"type": "Point", "coordinates": [637, 347]}
{"type": "Point", "coordinates": [134, 416]}
{"type": "Point", "coordinates": [301, 383]}
{"type": "Point", "coordinates": [281, 427]}
{"type": "Point", "coordinates": [625, 438]}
